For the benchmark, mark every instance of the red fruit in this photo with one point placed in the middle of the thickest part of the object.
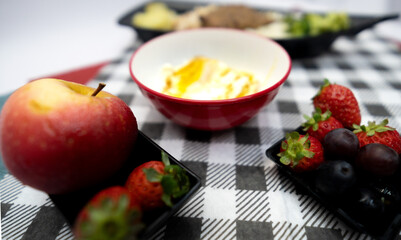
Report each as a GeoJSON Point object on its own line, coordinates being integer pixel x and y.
{"type": "Point", "coordinates": [301, 152]}
{"type": "Point", "coordinates": [378, 159]}
{"type": "Point", "coordinates": [378, 133]}
{"type": "Point", "coordinates": [156, 183]}
{"type": "Point", "coordinates": [58, 138]}
{"type": "Point", "coordinates": [320, 124]}
{"type": "Point", "coordinates": [340, 101]}
{"type": "Point", "coordinates": [110, 214]}
{"type": "Point", "coordinates": [149, 194]}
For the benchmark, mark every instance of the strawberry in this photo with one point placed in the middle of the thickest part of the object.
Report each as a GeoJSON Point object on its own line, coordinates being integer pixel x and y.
{"type": "Point", "coordinates": [111, 214]}
{"type": "Point", "coordinates": [301, 152]}
{"type": "Point", "coordinates": [378, 133]}
{"type": "Point", "coordinates": [340, 101]}
{"type": "Point", "coordinates": [156, 183]}
{"type": "Point", "coordinates": [320, 124]}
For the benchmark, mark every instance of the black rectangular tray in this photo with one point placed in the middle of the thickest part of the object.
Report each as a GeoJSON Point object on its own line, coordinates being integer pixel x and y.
{"type": "Point", "coordinates": [381, 229]}
{"type": "Point", "coordinates": [301, 47]}
{"type": "Point", "coordinates": [145, 149]}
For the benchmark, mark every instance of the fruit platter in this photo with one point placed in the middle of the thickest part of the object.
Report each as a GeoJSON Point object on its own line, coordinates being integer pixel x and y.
{"type": "Point", "coordinates": [351, 168]}
{"type": "Point", "coordinates": [144, 150]}
{"type": "Point", "coordinates": [302, 34]}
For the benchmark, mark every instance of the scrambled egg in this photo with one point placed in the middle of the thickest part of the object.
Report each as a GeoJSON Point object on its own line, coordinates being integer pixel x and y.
{"type": "Point", "coordinates": [208, 79]}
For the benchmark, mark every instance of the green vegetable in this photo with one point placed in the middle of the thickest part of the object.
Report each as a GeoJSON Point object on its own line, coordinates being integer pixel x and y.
{"type": "Point", "coordinates": [315, 24]}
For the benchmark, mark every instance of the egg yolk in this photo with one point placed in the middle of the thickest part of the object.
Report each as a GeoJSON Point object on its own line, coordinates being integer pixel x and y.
{"type": "Point", "coordinates": [208, 79]}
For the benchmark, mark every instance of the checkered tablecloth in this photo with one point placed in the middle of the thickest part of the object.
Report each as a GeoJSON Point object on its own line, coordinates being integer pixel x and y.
{"type": "Point", "coordinates": [243, 195]}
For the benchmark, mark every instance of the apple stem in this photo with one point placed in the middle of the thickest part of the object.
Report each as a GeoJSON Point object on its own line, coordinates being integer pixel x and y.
{"type": "Point", "coordinates": [98, 89]}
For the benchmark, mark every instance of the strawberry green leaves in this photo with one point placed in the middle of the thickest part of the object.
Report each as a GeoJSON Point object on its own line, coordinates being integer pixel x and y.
{"type": "Point", "coordinates": [372, 127]}
{"type": "Point", "coordinates": [301, 152]}
{"type": "Point", "coordinates": [111, 214]}
{"type": "Point", "coordinates": [378, 133]}
{"type": "Point", "coordinates": [108, 220]}
{"type": "Point", "coordinates": [326, 84]}
{"type": "Point", "coordinates": [317, 117]}
{"type": "Point", "coordinates": [295, 148]}
{"type": "Point", "coordinates": [174, 180]}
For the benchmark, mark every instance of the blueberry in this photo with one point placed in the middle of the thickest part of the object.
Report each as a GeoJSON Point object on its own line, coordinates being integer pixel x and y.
{"type": "Point", "coordinates": [341, 143]}
{"type": "Point", "coordinates": [335, 177]}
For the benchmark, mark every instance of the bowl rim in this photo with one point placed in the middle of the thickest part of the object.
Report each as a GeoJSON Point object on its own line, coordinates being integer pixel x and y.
{"type": "Point", "coordinates": [211, 102]}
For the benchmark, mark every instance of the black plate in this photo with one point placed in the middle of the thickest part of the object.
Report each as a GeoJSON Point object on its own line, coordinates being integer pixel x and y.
{"type": "Point", "coordinates": [144, 150]}
{"type": "Point", "coordinates": [297, 47]}
{"type": "Point", "coordinates": [387, 227]}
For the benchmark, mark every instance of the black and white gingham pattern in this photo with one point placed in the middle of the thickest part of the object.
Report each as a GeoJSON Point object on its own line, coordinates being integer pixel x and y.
{"type": "Point", "coordinates": [243, 196]}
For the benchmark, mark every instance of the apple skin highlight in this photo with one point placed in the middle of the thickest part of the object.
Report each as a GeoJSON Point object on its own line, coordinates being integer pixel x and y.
{"type": "Point", "coordinates": [57, 138]}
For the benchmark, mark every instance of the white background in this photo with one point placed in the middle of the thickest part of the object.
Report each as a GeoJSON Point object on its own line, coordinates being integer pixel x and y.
{"type": "Point", "coordinates": [45, 37]}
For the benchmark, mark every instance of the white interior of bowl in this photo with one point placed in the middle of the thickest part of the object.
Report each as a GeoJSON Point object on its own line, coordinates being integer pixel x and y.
{"type": "Point", "coordinates": [249, 52]}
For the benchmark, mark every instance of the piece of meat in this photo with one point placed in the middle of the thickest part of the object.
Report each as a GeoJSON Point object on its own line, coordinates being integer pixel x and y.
{"type": "Point", "coordinates": [235, 16]}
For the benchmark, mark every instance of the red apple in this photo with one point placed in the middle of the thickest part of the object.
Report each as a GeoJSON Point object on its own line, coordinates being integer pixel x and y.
{"type": "Point", "coordinates": [56, 137]}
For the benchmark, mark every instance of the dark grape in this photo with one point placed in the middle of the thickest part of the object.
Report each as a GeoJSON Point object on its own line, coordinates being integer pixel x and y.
{"type": "Point", "coordinates": [335, 177]}
{"type": "Point", "coordinates": [377, 159]}
{"type": "Point", "coordinates": [341, 143]}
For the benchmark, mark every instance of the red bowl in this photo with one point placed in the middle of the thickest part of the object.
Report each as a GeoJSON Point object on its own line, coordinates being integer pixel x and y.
{"type": "Point", "coordinates": [249, 52]}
